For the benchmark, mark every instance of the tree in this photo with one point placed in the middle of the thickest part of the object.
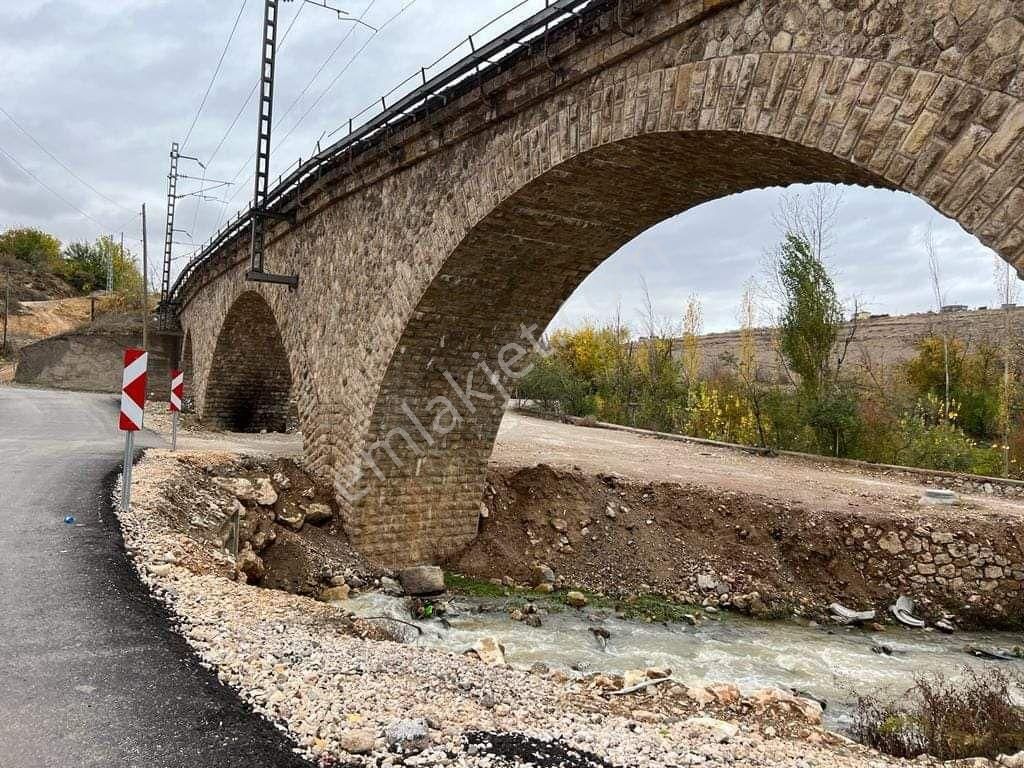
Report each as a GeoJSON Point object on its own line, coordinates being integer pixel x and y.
{"type": "Point", "coordinates": [810, 314]}
{"type": "Point", "coordinates": [1007, 292]}
{"type": "Point", "coordinates": [84, 266]}
{"type": "Point", "coordinates": [939, 295]}
{"type": "Point", "coordinates": [811, 217]}
{"type": "Point", "coordinates": [34, 247]}
{"type": "Point", "coordinates": [693, 327]}
{"type": "Point", "coordinates": [747, 367]}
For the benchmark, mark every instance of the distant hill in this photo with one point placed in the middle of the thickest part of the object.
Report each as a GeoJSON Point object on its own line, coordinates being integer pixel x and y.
{"type": "Point", "coordinates": [880, 341]}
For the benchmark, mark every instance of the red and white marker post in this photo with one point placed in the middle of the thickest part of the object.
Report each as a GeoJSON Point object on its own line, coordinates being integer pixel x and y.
{"type": "Point", "coordinates": [177, 395]}
{"type": "Point", "coordinates": [133, 405]}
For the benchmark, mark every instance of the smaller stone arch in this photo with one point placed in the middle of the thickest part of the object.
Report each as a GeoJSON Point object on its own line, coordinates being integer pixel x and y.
{"type": "Point", "coordinates": [186, 363]}
{"type": "Point", "coordinates": [250, 381]}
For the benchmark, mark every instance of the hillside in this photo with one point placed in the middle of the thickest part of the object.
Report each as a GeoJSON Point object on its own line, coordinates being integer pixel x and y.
{"type": "Point", "coordinates": [879, 341]}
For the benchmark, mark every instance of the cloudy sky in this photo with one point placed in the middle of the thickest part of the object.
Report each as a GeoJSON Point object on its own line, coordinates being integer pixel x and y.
{"type": "Point", "coordinates": [94, 91]}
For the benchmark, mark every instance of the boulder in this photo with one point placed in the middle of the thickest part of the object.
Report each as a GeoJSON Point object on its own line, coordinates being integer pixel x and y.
{"type": "Point", "coordinates": [293, 518]}
{"type": "Point", "coordinates": [241, 488]}
{"type": "Point", "coordinates": [719, 730]}
{"type": "Point", "coordinates": [333, 594]}
{"type": "Point", "coordinates": [1011, 761]}
{"type": "Point", "coordinates": [358, 742]}
{"type": "Point", "coordinates": [725, 693]}
{"type": "Point", "coordinates": [318, 514]}
{"type": "Point", "coordinates": [251, 564]}
{"type": "Point", "coordinates": [390, 586]}
{"type": "Point", "coordinates": [706, 582]}
{"type": "Point", "coordinates": [542, 574]}
{"type": "Point", "coordinates": [422, 580]}
{"type": "Point", "coordinates": [407, 737]}
{"type": "Point", "coordinates": [490, 651]}
{"type": "Point", "coordinates": [811, 710]}
{"type": "Point", "coordinates": [576, 599]}
{"type": "Point", "coordinates": [281, 481]}
{"type": "Point", "coordinates": [263, 535]}
{"type": "Point", "coordinates": [633, 677]}
{"type": "Point", "coordinates": [699, 695]}
{"type": "Point", "coordinates": [266, 496]}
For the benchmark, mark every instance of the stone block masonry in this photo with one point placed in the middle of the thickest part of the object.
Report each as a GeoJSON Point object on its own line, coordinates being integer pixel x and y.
{"type": "Point", "coordinates": [425, 254]}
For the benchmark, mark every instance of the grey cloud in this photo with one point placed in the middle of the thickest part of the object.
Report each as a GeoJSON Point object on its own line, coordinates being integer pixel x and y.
{"type": "Point", "coordinates": [108, 84]}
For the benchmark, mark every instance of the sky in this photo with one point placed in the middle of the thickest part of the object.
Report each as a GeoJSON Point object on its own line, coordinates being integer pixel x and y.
{"type": "Point", "coordinates": [95, 91]}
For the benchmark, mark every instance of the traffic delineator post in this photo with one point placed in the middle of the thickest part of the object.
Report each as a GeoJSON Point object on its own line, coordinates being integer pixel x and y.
{"type": "Point", "coordinates": [177, 395]}
{"type": "Point", "coordinates": [133, 410]}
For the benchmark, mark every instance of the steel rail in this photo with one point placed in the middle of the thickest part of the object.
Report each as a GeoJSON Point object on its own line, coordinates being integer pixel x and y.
{"type": "Point", "coordinates": [553, 18]}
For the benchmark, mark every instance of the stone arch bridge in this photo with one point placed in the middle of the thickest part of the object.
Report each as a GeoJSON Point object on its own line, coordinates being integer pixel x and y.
{"type": "Point", "coordinates": [432, 254]}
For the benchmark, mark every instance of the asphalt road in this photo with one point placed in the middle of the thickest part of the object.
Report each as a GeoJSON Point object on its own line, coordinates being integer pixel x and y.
{"type": "Point", "coordinates": [91, 673]}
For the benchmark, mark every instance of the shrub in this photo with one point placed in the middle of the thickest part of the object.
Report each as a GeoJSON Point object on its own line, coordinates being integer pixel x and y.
{"type": "Point", "coordinates": [944, 447]}
{"type": "Point", "coordinates": [951, 719]}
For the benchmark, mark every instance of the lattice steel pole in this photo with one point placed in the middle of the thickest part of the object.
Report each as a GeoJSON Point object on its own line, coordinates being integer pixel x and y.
{"type": "Point", "coordinates": [268, 60]}
{"type": "Point", "coordinates": [172, 200]}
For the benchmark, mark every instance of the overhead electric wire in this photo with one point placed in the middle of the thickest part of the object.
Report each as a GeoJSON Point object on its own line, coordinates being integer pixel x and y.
{"type": "Point", "coordinates": [238, 115]}
{"type": "Point", "coordinates": [406, 6]}
{"type": "Point", "coordinates": [252, 92]}
{"type": "Point", "coordinates": [327, 61]}
{"type": "Point", "coordinates": [60, 162]}
{"type": "Point", "coordinates": [50, 189]}
{"type": "Point", "coordinates": [216, 73]}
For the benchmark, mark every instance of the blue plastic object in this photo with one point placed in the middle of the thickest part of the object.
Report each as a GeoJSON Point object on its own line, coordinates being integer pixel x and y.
{"type": "Point", "coordinates": [70, 519]}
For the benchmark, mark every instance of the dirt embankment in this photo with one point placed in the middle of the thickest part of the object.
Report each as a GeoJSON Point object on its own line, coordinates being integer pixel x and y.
{"type": "Point", "coordinates": [89, 358]}
{"type": "Point", "coordinates": [725, 548]}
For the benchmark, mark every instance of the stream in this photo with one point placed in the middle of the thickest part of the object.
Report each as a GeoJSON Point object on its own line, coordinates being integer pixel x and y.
{"type": "Point", "coordinates": [833, 664]}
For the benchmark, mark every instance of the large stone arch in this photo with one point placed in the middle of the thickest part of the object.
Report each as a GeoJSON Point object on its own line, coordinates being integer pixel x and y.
{"type": "Point", "coordinates": [565, 200]}
{"type": "Point", "coordinates": [392, 241]}
{"type": "Point", "coordinates": [249, 384]}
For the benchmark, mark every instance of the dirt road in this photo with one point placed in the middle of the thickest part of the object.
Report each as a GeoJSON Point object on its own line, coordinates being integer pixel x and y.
{"type": "Point", "coordinates": [523, 440]}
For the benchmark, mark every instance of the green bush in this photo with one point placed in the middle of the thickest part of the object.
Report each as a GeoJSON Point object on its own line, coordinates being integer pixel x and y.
{"type": "Point", "coordinates": [944, 447]}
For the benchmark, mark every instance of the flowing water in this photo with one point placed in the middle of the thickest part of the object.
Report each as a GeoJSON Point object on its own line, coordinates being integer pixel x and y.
{"type": "Point", "coordinates": [831, 664]}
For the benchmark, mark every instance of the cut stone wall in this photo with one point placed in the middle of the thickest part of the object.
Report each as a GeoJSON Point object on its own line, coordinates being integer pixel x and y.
{"type": "Point", "coordinates": [430, 252]}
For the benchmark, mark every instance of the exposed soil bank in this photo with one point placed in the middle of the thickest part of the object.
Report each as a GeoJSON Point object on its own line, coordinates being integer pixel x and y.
{"type": "Point", "coordinates": [88, 360]}
{"type": "Point", "coordinates": [699, 545]}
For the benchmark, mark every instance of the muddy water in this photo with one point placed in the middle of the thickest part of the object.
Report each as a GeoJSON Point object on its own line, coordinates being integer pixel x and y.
{"type": "Point", "coordinates": [830, 664]}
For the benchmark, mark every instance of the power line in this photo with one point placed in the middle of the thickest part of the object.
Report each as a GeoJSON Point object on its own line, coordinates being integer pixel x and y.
{"type": "Point", "coordinates": [327, 61]}
{"type": "Point", "coordinates": [241, 110]}
{"type": "Point", "coordinates": [60, 162]}
{"type": "Point", "coordinates": [252, 91]}
{"type": "Point", "coordinates": [48, 188]}
{"type": "Point", "coordinates": [216, 72]}
{"type": "Point", "coordinates": [326, 90]}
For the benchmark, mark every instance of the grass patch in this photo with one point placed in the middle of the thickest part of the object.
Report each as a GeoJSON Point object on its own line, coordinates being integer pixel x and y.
{"type": "Point", "coordinates": [948, 719]}
{"type": "Point", "coordinates": [652, 608]}
{"type": "Point", "coordinates": [472, 587]}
